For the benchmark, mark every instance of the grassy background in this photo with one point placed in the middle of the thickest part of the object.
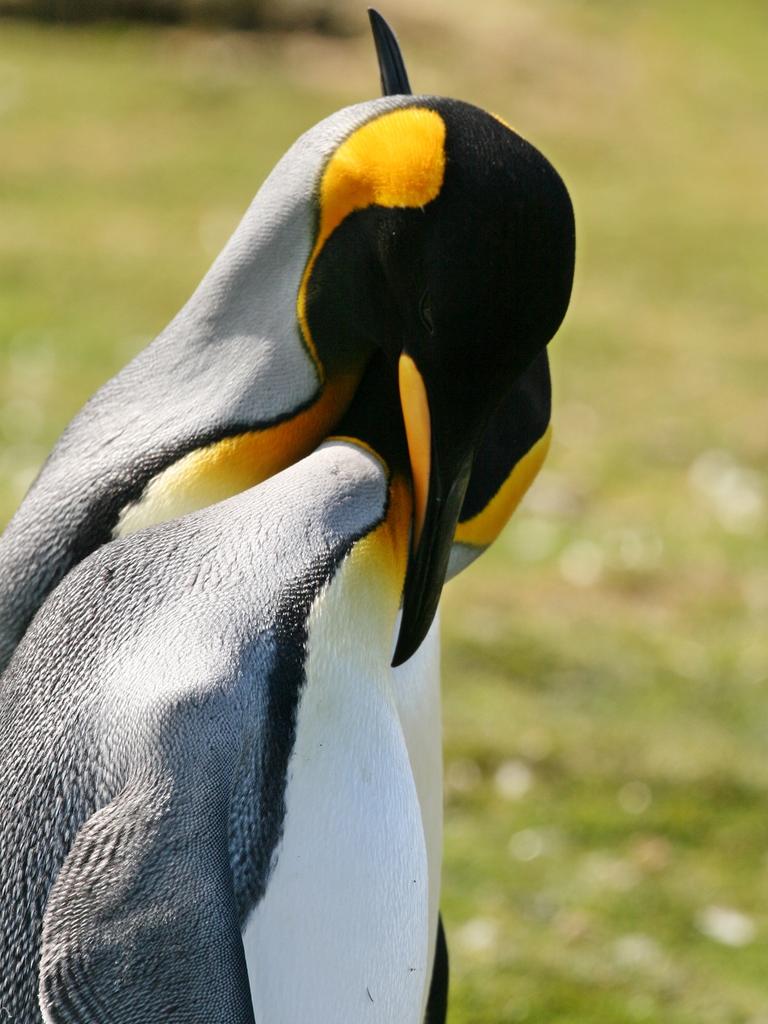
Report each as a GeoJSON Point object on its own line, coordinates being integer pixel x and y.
{"type": "Point", "coordinates": [607, 664]}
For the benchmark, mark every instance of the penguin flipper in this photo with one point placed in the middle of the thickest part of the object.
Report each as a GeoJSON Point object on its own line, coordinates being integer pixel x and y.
{"type": "Point", "coordinates": [437, 1005]}
{"type": "Point", "coordinates": [141, 922]}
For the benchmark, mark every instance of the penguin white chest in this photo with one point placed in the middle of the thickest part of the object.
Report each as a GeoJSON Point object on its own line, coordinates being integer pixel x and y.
{"type": "Point", "coordinates": [345, 930]}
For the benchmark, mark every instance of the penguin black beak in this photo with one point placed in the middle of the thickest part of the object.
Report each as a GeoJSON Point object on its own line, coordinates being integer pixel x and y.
{"type": "Point", "coordinates": [440, 477]}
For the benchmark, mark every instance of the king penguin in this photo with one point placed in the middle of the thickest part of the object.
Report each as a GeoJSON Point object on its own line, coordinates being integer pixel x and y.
{"type": "Point", "coordinates": [220, 793]}
{"type": "Point", "coordinates": [265, 357]}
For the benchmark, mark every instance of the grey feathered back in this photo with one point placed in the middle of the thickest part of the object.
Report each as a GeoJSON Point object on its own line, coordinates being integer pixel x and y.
{"type": "Point", "coordinates": [152, 697]}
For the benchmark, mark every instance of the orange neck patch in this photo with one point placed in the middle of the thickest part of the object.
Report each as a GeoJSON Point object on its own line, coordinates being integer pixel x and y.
{"type": "Point", "coordinates": [233, 464]}
{"type": "Point", "coordinates": [385, 549]}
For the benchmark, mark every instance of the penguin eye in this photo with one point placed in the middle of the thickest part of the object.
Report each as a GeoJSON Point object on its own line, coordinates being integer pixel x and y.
{"type": "Point", "coordinates": [425, 312]}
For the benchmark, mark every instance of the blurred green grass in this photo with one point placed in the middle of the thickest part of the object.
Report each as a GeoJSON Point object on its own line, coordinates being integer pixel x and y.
{"type": "Point", "coordinates": [606, 666]}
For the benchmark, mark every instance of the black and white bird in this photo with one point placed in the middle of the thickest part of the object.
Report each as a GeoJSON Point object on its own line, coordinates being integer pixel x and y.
{"type": "Point", "coordinates": [220, 760]}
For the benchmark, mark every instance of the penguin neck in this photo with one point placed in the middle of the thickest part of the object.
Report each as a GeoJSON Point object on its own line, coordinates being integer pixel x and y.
{"type": "Point", "coordinates": [240, 355]}
{"type": "Point", "coordinates": [251, 303]}
{"type": "Point", "coordinates": [375, 418]}
{"type": "Point", "coordinates": [378, 562]}
{"type": "Point", "coordinates": [246, 306]}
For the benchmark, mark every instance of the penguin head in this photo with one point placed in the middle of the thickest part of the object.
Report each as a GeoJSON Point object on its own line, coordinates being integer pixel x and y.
{"type": "Point", "coordinates": [486, 291]}
{"type": "Point", "coordinates": [462, 290]}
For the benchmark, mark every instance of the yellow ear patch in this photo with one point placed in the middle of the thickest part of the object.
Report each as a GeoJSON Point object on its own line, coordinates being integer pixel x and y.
{"type": "Point", "coordinates": [483, 528]}
{"type": "Point", "coordinates": [397, 159]}
{"type": "Point", "coordinates": [234, 464]}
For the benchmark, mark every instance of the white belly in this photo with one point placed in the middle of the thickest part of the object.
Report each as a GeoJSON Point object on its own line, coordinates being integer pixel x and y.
{"type": "Point", "coordinates": [345, 932]}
